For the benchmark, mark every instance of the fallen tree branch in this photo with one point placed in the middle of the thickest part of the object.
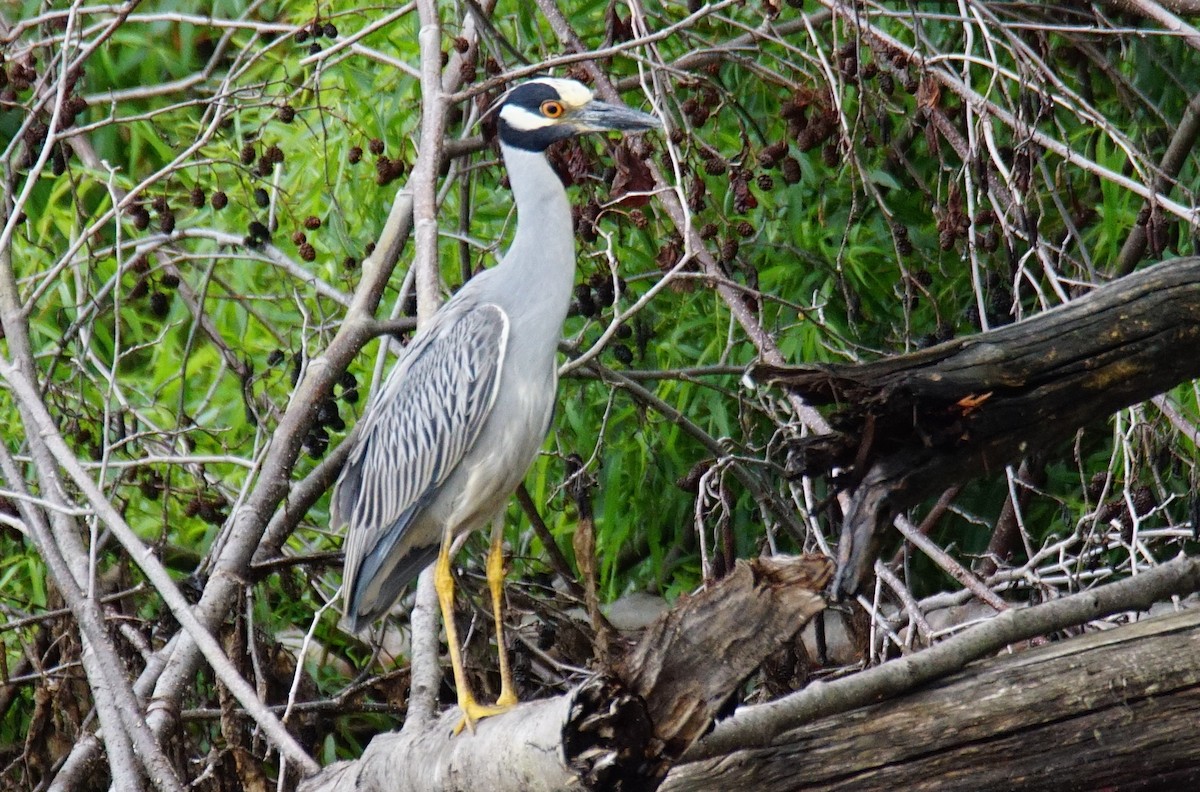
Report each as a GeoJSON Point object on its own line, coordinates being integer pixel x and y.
{"type": "Point", "coordinates": [1111, 709]}
{"type": "Point", "coordinates": [761, 725]}
{"type": "Point", "coordinates": [621, 730]}
{"type": "Point", "coordinates": [911, 425]}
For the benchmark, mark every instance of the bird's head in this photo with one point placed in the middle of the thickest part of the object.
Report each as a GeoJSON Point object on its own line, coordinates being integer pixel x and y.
{"type": "Point", "coordinates": [538, 112]}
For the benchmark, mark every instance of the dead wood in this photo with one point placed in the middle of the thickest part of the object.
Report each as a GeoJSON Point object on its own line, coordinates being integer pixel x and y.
{"type": "Point", "coordinates": [623, 729]}
{"type": "Point", "coordinates": [909, 426]}
{"type": "Point", "coordinates": [1109, 710]}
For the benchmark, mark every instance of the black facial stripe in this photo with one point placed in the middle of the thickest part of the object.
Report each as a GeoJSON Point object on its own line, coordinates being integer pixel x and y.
{"type": "Point", "coordinates": [533, 139]}
{"type": "Point", "coordinates": [531, 95]}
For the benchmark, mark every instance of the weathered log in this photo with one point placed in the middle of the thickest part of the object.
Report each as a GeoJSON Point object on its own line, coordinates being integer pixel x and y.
{"type": "Point", "coordinates": [1109, 710]}
{"type": "Point", "coordinates": [623, 729]}
{"type": "Point", "coordinates": [912, 425]}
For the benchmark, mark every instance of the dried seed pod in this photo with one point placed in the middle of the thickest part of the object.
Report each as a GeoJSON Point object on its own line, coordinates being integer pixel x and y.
{"type": "Point", "coordinates": [160, 204]}
{"type": "Point", "coordinates": [376, 146]}
{"type": "Point", "coordinates": [946, 238]}
{"type": "Point", "coordinates": [160, 305]}
{"type": "Point", "coordinates": [697, 190]}
{"type": "Point", "coordinates": [638, 218]}
{"type": "Point", "coordinates": [330, 30]}
{"type": "Point", "coordinates": [585, 302]}
{"type": "Point", "coordinates": [297, 365]}
{"type": "Point", "coordinates": [887, 84]}
{"type": "Point", "coordinates": [790, 168]}
{"type": "Point", "coordinates": [316, 443]}
{"type": "Point", "coordinates": [771, 154]}
{"type": "Point", "coordinates": [765, 182]}
{"type": "Point", "coordinates": [729, 250]}
{"type": "Point", "coordinates": [300, 36]}
{"type": "Point", "coordinates": [745, 229]}
{"type": "Point", "coordinates": [605, 294]}
{"type": "Point", "coordinates": [312, 222]}
{"type": "Point", "coordinates": [261, 197]}
{"type": "Point", "coordinates": [259, 230]}
{"type": "Point", "coordinates": [1096, 485]}
{"type": "Point", "coordinates": [708, 231]}
{"type": "Point", "coordinates": [743, 199]}
{"type": "Point", "coordinates": [247, 154]}
{"type": "Point", "coordinates": [623, 354]}
{"type": "Point", "coordinates": [714, 166]}
{"type": "Point", "coordinates": [141, 218]}
{"type": "Point", "coordinates": [349, 263]}
{"type": "Point", "coordinates": [286, 113]}
{"type": "Point", "coordinates": [220, 200]}
{"type": "Point", "coordinates": [299, 238]}
{"type": "Point", "coordinates": [354, 154]}
{"type": "Point", "coordinates": [461, 44]}
{"type": "Point", "coordinates": [169, 280]}
{"type": "Point", "coordinates": [829, 155]}
{"type": "Point", "coordinates": [166, 222]}
{"type": "Point", "coordinates": [196, 197]}
{"type": "Point", "coordinates": [140, 264]}
{"type": "Point", "coordinates": [273, 154]}
{"type": "Point", "coordinates": [326, 412]}
{"type": "Point", "coordinates": [307, 252]}
{"type": "Point", "coordinates": [1144, 501]}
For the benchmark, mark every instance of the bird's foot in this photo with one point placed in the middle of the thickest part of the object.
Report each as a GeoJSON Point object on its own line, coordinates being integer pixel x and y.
{"type": "Point", "coordinates": [473, 711]}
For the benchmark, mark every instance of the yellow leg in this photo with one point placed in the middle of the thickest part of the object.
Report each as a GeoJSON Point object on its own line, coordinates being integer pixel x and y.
{"type": "Point", "coordinates": [443, 583]}
{"type": "Point", "coordinates": [495, 579]}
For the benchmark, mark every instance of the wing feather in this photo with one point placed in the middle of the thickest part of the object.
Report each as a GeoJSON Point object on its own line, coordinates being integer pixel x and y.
{"type": "Point", "coordinates": [418, 428]}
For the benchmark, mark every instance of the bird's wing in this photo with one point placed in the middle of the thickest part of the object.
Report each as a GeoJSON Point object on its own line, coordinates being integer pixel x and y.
{"type": "Point", "coordinates": [421, 423]}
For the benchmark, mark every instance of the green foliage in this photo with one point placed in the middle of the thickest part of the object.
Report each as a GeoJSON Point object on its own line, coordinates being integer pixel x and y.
{"type": "Point", "coordinates": [168, 335]}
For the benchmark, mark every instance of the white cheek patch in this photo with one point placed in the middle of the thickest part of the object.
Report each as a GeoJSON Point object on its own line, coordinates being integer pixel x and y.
{"type": "Point", "coordinates": [523, 120]}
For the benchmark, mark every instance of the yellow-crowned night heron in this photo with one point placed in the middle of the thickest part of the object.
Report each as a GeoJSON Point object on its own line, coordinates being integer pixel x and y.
{"type": "Point", "coordinates": [464, 411]}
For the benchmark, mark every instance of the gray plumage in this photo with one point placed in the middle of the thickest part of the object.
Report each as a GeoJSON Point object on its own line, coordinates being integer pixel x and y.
{"type": "Point", "coordinates": [460, 418]}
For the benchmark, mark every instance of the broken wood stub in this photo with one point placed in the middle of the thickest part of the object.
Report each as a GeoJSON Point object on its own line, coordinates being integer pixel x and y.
{"type": "Point", "coordinates": [909, 426]}
{"type": "Point", "coordinates": [691, 660]}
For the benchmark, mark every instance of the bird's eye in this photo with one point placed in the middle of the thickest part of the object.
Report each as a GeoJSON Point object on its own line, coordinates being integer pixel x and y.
{"type": "Point", "coordinates": [552, 109]}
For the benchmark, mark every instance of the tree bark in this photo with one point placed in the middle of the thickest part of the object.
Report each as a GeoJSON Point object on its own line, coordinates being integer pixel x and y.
{"type": "Point", "coordinates": [1109, 710]}
{"type": "Point", "coordinates": [912, 425]}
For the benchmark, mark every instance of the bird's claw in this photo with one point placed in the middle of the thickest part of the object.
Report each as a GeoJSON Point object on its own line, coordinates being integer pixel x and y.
{"type": "Point", "coordinates": [473, 712]}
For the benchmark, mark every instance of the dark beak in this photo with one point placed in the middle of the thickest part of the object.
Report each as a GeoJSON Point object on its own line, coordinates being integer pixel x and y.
{"type": "Point", "coordinates": [598, 116]}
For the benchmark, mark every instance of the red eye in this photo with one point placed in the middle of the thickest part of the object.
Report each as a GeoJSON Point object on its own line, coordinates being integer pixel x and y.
{"type": "Point", "coordinates": [552, 109]}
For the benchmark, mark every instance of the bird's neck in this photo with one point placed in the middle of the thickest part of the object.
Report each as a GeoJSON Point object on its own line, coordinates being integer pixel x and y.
{"type": "Point", "coordinates": [543, 248]}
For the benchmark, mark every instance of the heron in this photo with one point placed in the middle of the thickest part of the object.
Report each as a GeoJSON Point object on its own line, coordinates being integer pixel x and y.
{"type": "Point", "coordinates": [456, 425]}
